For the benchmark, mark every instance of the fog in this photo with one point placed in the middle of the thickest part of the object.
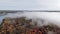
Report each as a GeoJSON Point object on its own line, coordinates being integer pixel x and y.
{"type": "Point", "coordinates": [48, 17]}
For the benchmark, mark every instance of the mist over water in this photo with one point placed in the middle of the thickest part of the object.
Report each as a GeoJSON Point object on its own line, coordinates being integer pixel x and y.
{"type": "Point", "coordinates": [47, 17]}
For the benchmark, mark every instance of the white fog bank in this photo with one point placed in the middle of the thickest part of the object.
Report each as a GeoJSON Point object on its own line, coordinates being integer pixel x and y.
{"type": "Point", "coordinates": [51, 17]}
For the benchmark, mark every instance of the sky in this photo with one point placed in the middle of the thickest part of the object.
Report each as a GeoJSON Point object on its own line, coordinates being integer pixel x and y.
{"type": "Point", "coordinates": [29, 4]}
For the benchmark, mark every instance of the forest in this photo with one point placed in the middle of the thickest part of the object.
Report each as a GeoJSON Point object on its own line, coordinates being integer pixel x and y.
{"type": "Point", "coordinates": [24, 26]}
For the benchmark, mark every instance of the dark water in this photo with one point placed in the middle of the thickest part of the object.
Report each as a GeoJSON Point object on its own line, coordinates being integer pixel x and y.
{"type": "Point", "coordinates": [1, 18]}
